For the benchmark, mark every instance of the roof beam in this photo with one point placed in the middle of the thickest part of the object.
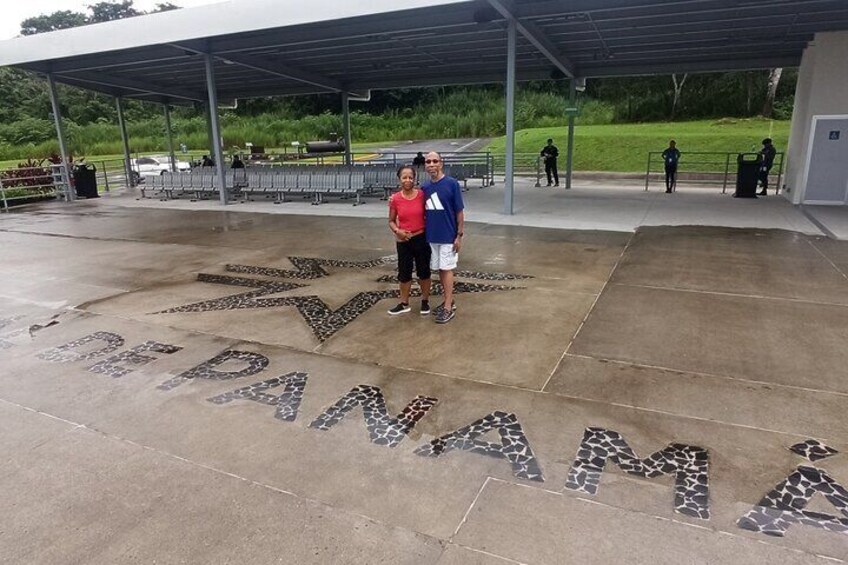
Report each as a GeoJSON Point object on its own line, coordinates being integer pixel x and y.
{"type": "Point", "coordinates": [271, 67]}
{"type": "Point", "coordinates": [650, 67]}
{"type": "Point", "coordinates": [535, 36]}
{"type": "Point", "coordinates": [144, 87]}
{"type": "Point", "coordinates": [100, 61]}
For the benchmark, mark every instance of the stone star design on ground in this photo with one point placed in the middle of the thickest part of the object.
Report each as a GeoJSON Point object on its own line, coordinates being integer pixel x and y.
{"type": "Point", "coordinates": [322, 320]}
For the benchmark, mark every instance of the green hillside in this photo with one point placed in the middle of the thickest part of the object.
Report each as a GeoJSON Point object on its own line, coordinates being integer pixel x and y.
{"type": "Point", "coordinates": [625, 147]}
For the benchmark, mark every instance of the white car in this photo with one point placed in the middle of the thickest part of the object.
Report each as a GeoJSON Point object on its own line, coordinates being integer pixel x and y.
{"type": "Point", "coordinates": [151, 166]}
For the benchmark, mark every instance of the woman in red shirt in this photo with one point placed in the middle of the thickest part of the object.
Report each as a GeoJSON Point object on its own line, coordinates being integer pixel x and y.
{"type": "Point", "coordinates": [406, 220]}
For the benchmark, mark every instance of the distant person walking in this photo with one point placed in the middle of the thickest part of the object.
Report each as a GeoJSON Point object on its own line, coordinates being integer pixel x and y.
{"type": "Point", "coordinates": [767, 155]}
{"type": "Point", "coordinates": [445, 220]}
{"type": "Point", "coordinates": [237, 163]}
{"type": "Point", "coordinates": [671, 155]}
{"type": "Point", "coordinates": [406, 220]}
{"type": "Point", "coordinates": [207, 162]}
{"type": "Point", "coordinates": [550, 153]}
{"type": "Point", "coordinates": [418, 160]}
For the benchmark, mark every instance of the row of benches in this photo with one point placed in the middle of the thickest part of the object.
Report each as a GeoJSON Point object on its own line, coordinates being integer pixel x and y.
{"type": "Point", "coordinates": [278, 182]}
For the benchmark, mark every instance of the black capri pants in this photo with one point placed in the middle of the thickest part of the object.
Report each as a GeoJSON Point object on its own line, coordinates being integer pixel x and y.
{"type": "Point", "coordinates": [414, 252]}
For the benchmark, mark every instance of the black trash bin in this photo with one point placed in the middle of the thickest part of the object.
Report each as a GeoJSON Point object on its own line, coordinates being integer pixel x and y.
{"type": "Point", "coordinates": [85, 180]}
{"type": "Point", "coordinates": [747, 174]}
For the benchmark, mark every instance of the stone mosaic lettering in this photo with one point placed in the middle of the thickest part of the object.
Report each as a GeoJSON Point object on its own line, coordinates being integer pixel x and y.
{"type": "Point", "coordinates": [514, 446]}
{"type": "Point", "coordinates": [287, 403]}
{"type": "Point", "coordinates": [207, 370]}
{"type": "Point", "coordinates": [116, 365]}
{"type": "Point", "coordinates": [780, 509]}
{"type": "Point", "coordinates": [784, 505]}
{"type": "Point", "coordinates": [382, 428]}
{"type": "Point", "coordinates": [813, 450]}
{"type": "Point", "coordinates": [66, 354]}
{"type": "Point", "coordinates": [689, 465]}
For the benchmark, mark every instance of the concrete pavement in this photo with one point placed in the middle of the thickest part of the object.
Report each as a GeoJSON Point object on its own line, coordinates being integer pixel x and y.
{"type": "Point", "coordinates": [223, 386]}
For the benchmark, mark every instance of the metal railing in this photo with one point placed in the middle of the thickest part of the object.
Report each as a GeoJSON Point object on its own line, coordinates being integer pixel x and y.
{"type": "Point", "coordinates": [49, 180]}
{"type": "Point", "coordinates": [30, 183]}
{"type": "Point", "coordinates": [394, 158]}
{"type": "Point", "coordinates": [706, 168]}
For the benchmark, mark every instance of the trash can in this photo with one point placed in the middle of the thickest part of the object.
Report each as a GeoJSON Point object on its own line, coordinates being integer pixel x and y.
{"type": "Point", "coordinates": [85, 179]}
{"type": "Point", "coordinates": [747, 174]}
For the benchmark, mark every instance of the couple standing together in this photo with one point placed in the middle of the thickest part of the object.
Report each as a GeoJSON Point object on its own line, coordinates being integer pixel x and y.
{"type": "Point", "coordinates": [428, 224]}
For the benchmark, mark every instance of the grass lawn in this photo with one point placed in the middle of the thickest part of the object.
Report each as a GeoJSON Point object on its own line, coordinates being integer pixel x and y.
{"type": "Point", "coordinates": [625, 147]}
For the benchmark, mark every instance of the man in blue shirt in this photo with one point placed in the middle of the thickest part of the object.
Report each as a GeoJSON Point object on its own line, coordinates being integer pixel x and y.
{"type": "Point", "coordinates": [671, 156]}
{"type": "Point", "coordinates": [444, 224]}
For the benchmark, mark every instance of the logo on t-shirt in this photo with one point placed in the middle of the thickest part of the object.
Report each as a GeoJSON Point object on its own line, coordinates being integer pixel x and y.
{"type": "Point", "coordinates": [433, 203]}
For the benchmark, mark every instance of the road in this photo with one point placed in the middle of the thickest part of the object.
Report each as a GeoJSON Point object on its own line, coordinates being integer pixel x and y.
{"type": "Point", "coordinates": [462, 145]}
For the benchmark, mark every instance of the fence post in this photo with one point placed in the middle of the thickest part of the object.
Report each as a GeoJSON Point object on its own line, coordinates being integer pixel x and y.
{"type": "Point", "coordinates": [538, 171]}
{"type": "Point", "coordinates": [105, 177]}
{"type": "Point", "coordinates": [648, 172]}
{"type": "Point", "coordinates": [3, 196]}
{"type": "Point", "coordinates": [779, 175]}
{"type": "Point", "coordinates": [726, 172]}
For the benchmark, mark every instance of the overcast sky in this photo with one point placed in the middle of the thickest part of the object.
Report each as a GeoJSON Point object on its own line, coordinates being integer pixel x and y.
{"type": "Point", "coordinates": [15, 12]}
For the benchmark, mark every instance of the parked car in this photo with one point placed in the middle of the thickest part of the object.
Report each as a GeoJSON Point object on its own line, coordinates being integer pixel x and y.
{"type": "Point", "coordinates": [156, 165]}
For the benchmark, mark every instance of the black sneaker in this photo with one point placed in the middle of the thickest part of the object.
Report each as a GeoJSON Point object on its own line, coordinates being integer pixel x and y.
{"type": "Point", "coordinates": [400, 309]}
{"type": "Point", "coordinates": [425, 307]}
{"type": "Point", "coordinates": [444, 316]}
{"type": "Point", "coordinates": [441, 307]}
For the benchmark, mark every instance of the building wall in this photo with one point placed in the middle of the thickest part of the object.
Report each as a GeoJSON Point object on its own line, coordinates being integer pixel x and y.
{"type": "Point", "coordinates": [821, 90]}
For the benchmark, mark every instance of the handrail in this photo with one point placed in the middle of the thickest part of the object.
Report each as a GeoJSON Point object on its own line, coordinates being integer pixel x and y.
{"type": "Point", "coordinates": [718, 167]}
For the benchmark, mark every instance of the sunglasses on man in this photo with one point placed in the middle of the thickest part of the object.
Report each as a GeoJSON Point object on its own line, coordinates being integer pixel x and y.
{"type": "Point", "coordinates": [431, 161]}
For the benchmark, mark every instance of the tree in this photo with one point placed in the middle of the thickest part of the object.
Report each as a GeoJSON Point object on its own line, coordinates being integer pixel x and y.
{"type": "Point", "coordinates": [165, 7]}
{"type": "Point", "coordinates": [771, 92]}
{"type": "Point", "coordinates": [678, 88]}
{"type": "Point", "coordinates": [62, 19]}
{"type": "Point", "coordinates": [108, 11]}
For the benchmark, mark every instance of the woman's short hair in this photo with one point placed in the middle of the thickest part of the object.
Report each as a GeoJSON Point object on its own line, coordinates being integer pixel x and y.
{"type": "Point", "coordinates": [410, 167]}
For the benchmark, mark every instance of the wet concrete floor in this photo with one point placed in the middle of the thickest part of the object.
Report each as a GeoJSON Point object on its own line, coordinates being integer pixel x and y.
{"type": "Point", "coordinates": [222, 387]}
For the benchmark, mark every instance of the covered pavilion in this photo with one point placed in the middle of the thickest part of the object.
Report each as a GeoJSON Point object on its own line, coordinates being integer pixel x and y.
{"type": "Point", "coordinates": [221, 53]}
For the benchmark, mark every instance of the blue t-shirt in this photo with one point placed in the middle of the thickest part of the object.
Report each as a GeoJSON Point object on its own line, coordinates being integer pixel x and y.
{"type": "Point", "coordinates": [443, 200]}
{"type": "Point", "coordinates": [671, 156]}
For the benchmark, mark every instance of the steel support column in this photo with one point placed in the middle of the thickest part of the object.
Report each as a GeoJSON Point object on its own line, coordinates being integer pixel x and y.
{"type": "Point", "coordinates": [346, 120]}
{"type": "Point", "coordinates": [216, 131]}
{"type": "Point", "coordinates": [170, 136]}
{"type": "Point", "coordinates": [60, 133]}
{"type": "Point", "coordinates": [509, 170]}
{"type": "Point", "coordinates": [210, 145]}
{"type": "Point", "coordinates": [569, 161]}
{"type": "Point", "coordinates": [125, 140]}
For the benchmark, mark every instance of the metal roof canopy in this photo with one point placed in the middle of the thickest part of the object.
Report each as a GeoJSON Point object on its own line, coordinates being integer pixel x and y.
{"type": "Point", "coordinates": [268, 47]}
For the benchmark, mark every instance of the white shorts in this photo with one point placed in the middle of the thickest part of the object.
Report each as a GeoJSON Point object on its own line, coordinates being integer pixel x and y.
{"type": "Point", "coordinates": [443, 257]}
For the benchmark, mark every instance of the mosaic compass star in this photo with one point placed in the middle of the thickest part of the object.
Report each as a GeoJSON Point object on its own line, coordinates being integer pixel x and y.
{"type": "Point", "coordinates": [321, 318]}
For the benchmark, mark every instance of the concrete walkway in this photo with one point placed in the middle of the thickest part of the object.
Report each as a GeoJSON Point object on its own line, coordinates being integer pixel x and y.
{"type": "Point", "coordinates": [219, 385]}
{"type": "Point", "coordinates": [590, 205]}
